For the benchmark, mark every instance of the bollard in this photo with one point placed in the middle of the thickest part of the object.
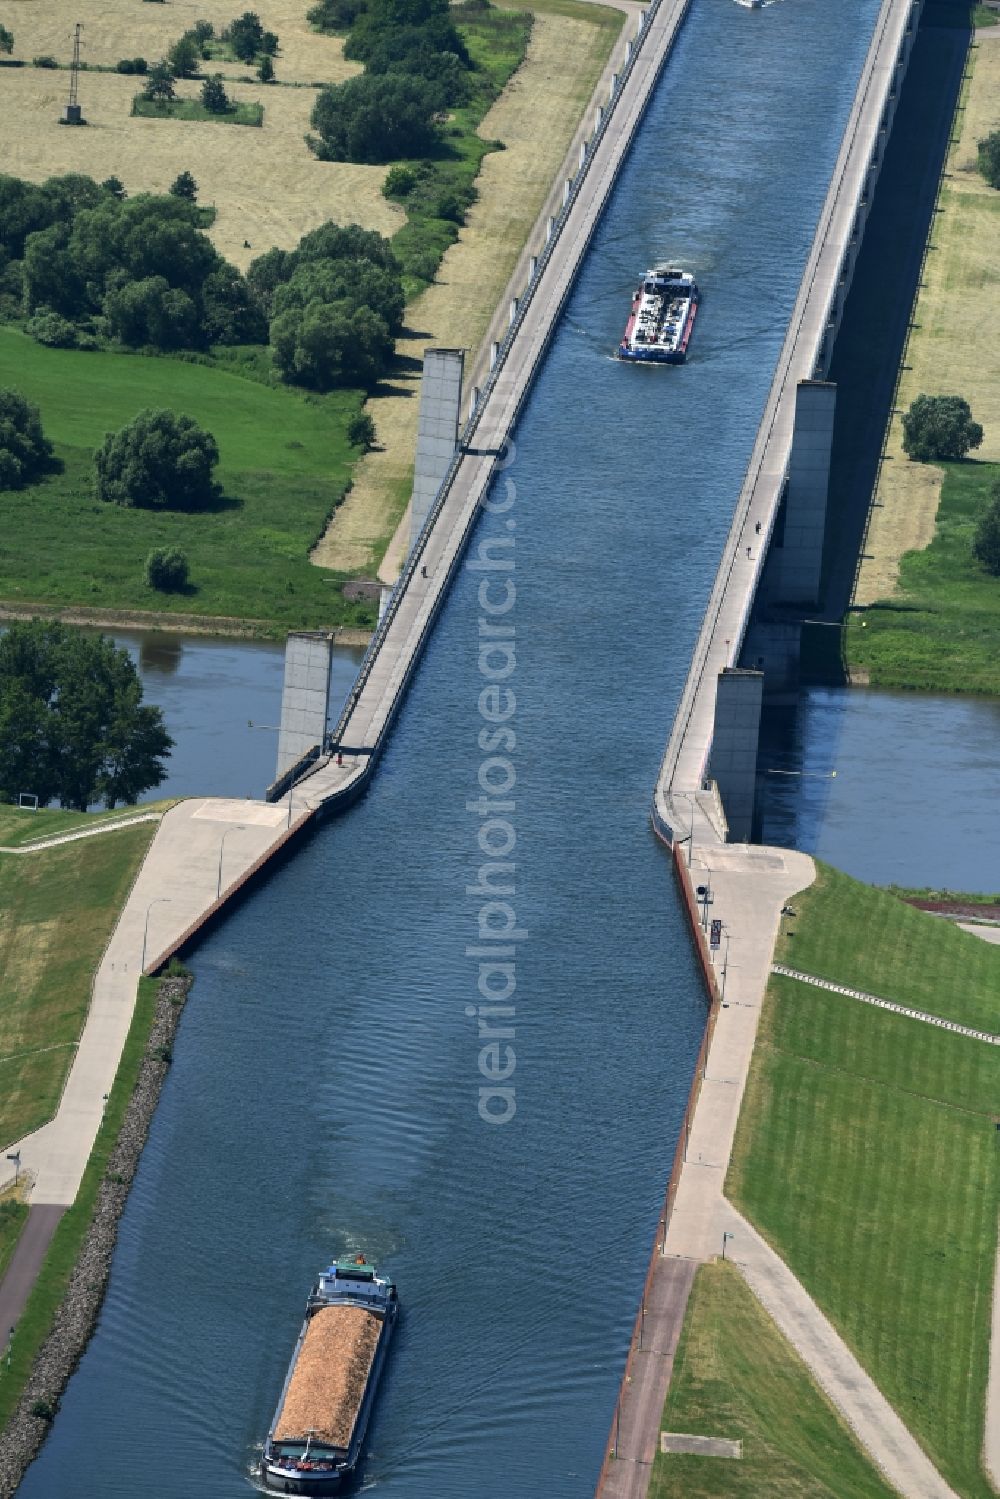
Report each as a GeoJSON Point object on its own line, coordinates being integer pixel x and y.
{"type": "Point", "coordinates": [494, 354]}
{"type": "Point", "coordinates": [533, 265]}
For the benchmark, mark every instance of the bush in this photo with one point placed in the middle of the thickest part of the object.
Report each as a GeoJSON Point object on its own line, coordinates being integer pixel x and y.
{"type": "Point", "coordinates": [48, 328]}
{"type": "Point", "coordinates": [45, 61]}
{"type": "Point", "coordinates": [246, 36]}
{"type": "Point", "coordinates": [335, 15]}
{"type": "Point", "coordinates": [399, 181]}
{"type": "Point", "coordinates": [203, 31]}
{"type": "Point", "coordinates": [939, 427]}
{"type": "Point", "coordinates": [159, 83]}
{"type": "Point", "coordinates": [152, 313]}
{"type": "Point", "coordinates": [184, 57]}
{"type": "Point", "coordinates": [167, 570]}
{"type": "Point", "coordinates": [375, 119]}
{"type": "Point", "coordinates": [361, 431]}
{"type": "Point", "coordinates": [329, 344]}
{"type": "Point", "coordinates": [25, 452]}
{"type": "Point", "coordinates": [116, 187]}
{"type": "Point", "coordinates": [986, 543]}
{"type": "Point", "coordinates": [184, 186]}
{"type": "Point", "coordinates": [989, 158]}
{"type": "Point", "coordinates": [159, 461]}
{"type": "Point", "coordinates": [131, 65]}
{"type": "Point", "coordinates": [265, 69]}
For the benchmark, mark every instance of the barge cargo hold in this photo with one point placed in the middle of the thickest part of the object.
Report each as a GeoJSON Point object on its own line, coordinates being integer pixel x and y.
{"type": "Point", "coordinates": [664, 307]}
{"type": "Point", "coordinates": [319, 1426]}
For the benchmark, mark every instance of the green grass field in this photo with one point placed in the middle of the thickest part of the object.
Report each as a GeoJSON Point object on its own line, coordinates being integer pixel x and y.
{"type": "Point", "coordinates": [284, 465]}
{"type": "Point", "coordinates": [58, 908]}
{"type": "Point", "coordinates": [867, 1153]}
{"type": "Point", "coordinates": [736, 1376]}
{"type": "Point", "coordinates": [18, 826]}
{"type": "Point", "coordinates": [43, 1303]}
{"type": "Point", "coordinates": [905, 955]}
{"type": "Point", "coordinates": [13, 1215]}
{"type": "Point", "coordinates": [240, 112]}
{"type": "Point", "coordinates": [940, 631]}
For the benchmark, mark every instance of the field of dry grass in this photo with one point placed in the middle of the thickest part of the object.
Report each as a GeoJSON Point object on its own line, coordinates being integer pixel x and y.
{"type": "Point", "coordinates": [951, 351]}
{"type": "Point", "coordinates": [536, 117]}
{"type": "Point", "coordinates": [266, 185]}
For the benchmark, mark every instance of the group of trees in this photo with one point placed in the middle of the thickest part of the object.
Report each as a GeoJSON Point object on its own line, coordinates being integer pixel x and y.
{"type": "Point", "coordinates": [989, 158]}
{"type": "Point", "coordinates": [87, 264]}
{"type": "Point", "coordinates": [335, 304]}
{"type": "Point", "coordinates": [25, 451]}
{"type": "Point", "coordinates": [73, 726]}
{"type": "Point", "coordinates": [245, 37]}
{"type": "Point", "coordinates": [416, 67]}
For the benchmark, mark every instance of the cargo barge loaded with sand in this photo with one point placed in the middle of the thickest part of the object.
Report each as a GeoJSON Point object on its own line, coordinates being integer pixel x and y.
{"type": "Point", "coordinates": [319, 1426]}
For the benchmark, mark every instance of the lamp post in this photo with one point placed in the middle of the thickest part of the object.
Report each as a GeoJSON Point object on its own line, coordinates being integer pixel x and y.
{"type": "Point", "coordinates": [688, 797]}
{"type": "Point", "coordinates": [239, 828]}
{"type": "Point", "coordinates": [160, 900]}
{"type": "Point", "coordinates": [725, 966]}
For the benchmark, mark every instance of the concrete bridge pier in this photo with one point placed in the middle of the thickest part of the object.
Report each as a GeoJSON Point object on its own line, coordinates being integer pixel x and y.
{"type": "Point", "coordinates": [801, 567]}
{"type": "Point", "coordinates": [437, 430]}
{"type": "Point", "coordinates": [305, 696]}
{"type": "Point", "coordinates": [733, 765]}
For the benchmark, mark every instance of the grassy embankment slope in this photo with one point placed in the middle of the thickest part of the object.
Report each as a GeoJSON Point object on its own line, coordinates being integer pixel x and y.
{"type": "Point", "coordinates": [535, 117]}
{"type": "Point", "coordinates": [931, 615]}
{"type": "Point", "coordinates": [284, 463]}
{"type": "Point", "coordinates": [58, 908]}
{"type": "Point", "coordinates": [867, 1152]}
{"type": "Point", "coordinates": [735, 1376]}
{"type": "Point", "coordinates": [36, 1319]}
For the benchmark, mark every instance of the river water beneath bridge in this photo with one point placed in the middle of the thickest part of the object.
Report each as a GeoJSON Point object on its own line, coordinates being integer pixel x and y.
{"type": "Point", "coordinates": [325, 1090]}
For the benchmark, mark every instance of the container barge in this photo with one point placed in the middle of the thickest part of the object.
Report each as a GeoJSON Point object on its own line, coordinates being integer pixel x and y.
{"type": "Point", "coordinates": [664, 307]}
{"type": "Point", "coordinates": [326, 1401]}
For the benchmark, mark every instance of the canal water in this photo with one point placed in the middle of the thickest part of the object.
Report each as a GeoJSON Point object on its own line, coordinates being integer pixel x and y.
{"type": "Point", "coordinates": [325, 1093]}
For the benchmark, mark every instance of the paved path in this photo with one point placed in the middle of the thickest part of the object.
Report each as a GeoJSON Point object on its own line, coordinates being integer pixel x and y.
{"type": "Point", "coordinates": [25, 1263]}
{"type": "Point", "coordinates": [887, 1004]}
{"type": "Point", "coordinates": [750, 885]}
{"type": "Point", "coordinates": [991, 1440]}
{"type": "Point", "coordinates": [199, 846]}
{"type": "Point", "coordinates": [110, 825]}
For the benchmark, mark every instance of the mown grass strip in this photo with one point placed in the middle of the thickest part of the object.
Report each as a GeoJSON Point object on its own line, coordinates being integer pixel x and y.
{"type": "Point", "coordinates": [867, 1153]}
{"type": "Point", "coordinates": [13, 1216]}
{"type": "Point", "coordinates": [240, 112]}
{"type": "Point", "coordinates": [58, 908]}
{"type": "Point", "coordinates": [736, 1376]}
{"type": "Point", "coordinates": [19, 826]}
{"type": "Point", "coordinates": [868, 939]}
{"type": "Point", "coordinates": [43, 1303]}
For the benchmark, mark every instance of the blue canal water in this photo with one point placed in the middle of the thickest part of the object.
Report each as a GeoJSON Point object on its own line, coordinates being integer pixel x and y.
{"type": "Point", "coordinates": [325, 1089]}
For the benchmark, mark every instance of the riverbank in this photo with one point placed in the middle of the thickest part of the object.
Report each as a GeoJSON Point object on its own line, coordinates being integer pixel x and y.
{"type": "Point", "coordinates": [56, 1323]}
{"type": "Point", "coordinates": [926, 614]}
{"type": "Point", "coordinates": [176, 624]}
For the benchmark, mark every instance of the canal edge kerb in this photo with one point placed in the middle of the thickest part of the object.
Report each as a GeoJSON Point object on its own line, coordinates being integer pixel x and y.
{"type": "Point", "coordinates": [657, 1253]}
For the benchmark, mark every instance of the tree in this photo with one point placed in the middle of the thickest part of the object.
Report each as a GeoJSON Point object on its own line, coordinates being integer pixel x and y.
{"type": "Point", "coordinates": [361, 431]}
{"type": "Point", "coordinates": [265, 69]}
{"type": "Point", "coordinates": [232, 312]}
{"type": "Point", "coordinates": [335, 15]}
{"type": "Point", "coordinates": [116, 187]}
{"type": "Point", "coordinates": [358, 282]}
{"type": "Point", "coordinates": [152, 313]}
{"type": "Point", "coordinates": [989, 158]}
{"type": "Point", "coordinates": [25, 452]}
{"type": "Point", "coordinates": [73, 726]}
{"type": "Point", "coordinates": [184, 57]}
{"type": "Point", "coordinates": [6, 40]}
{"type": "Point", "coordinates": [269, 44]}
{"type": "Point", "coordinates": [215, 99]}
{"type": "Point", "coordinates": [375, 119]}
{"type": "Point", "coordinates": [159, 85]}
{"type": "Point", "coordinates": [939, 427]}
{"type": "Point", "coordinates": [159, 461]}
{"type": "Point", "coordinates": [203, 31]}
{"type": "Point", "coordinates": [329, 344]}
{"type": "Point", "coordinates": [986, 542]}
{"type": "Point", "coordinates": [246, 35]}
{"type": "Point", "coordinates": [167, 570]}
{"type": "Point", "coordinates": [184, 186]}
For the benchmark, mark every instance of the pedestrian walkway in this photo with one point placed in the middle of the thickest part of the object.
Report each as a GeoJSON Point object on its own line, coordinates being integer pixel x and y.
{"type": "Point", "coordinates": [747, 887]}
{"type": "Point", "coordinates": [887, 1004]}
{"type": "Point", "coordinates": [110, 825]}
